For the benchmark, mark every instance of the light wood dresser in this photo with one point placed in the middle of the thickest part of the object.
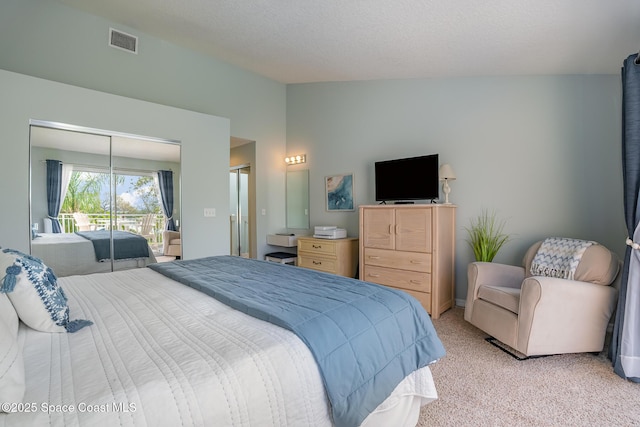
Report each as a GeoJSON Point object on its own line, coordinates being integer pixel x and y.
{"type": "Point", "coordinates": [412, 248]}
{"type": "Point", "coordinates": [337, 256]}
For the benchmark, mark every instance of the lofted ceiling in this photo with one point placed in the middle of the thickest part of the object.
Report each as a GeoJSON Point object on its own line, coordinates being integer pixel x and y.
{"type": "Point", "coordinates": [295, 41]}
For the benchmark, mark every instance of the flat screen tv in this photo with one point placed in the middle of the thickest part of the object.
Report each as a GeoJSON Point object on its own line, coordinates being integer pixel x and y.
{"type": "Point", "coordinates": [413, 178]}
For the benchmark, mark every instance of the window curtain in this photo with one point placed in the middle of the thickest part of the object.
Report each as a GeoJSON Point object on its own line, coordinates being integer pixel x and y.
{"type": "Point", "coordinates": [625, 344]}
{"type": "Point", "coordinates": [165, 183]}
{"type": "Point", "coordinates": [54, 186]}
{"type": "Point", "coordinates": [67, 171]}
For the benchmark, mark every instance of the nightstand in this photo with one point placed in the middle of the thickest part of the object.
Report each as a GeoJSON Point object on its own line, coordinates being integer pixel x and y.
{"type": "Point", "coordinates": [337, 256]}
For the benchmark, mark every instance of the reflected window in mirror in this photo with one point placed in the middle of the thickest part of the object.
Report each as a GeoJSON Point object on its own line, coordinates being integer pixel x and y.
{"type": "Point", "coordinates": [297, 199]}
{"type": "Point", "coordinates": [91, 188]}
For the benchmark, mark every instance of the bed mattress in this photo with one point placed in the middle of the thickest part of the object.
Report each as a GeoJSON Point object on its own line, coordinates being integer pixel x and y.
{"type": "Point", "coordinates": [162, 354]}
{"type": "Point", "coordinates": [69, 254]}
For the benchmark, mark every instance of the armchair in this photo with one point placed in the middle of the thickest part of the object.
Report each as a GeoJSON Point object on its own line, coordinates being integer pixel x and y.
{"type": "Point", "coordinates": [538, 315]}
{"type": "Point", "coordinates": [147, 227]}
{"type": "Point", "coordinates": [82, 222]}
{"type": "Point", "coordinates": [172, 243]}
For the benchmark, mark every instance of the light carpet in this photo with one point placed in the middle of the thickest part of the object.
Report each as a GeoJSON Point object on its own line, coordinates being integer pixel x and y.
{"type": "Point", "coordinates": [480, 385]}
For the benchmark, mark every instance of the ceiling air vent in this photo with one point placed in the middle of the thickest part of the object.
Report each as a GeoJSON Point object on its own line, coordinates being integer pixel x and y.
{"type": "Point", "coordinates": [123, 41]}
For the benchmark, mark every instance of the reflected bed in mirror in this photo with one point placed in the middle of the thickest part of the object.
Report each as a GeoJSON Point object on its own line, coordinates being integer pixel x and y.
{"type": "Point", "coordinates": [69, 254]}
{"type": "Point", "coordinates": [95, 193]}
{"type": "Point", "coordinates": [297, 199]}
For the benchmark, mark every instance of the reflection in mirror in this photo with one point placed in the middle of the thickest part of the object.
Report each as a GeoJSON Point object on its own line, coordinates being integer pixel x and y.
{"type": "Point", "coordinates": [69, 181]}
{"type": "Point", "coordinates": [146, 185]}
{"type": "Point", "coordinates": [84, 217]}
{"type": "Point", "coordinates": [297, 199]}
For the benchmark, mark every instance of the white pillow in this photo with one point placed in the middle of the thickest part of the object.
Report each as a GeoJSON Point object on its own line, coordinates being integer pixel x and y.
{"type": "Point", "coordinates": [12, 379]}
{"type": "Point", "coordinates": [34, 292]}
{"type": "Point", "coordinates": [8, 313]}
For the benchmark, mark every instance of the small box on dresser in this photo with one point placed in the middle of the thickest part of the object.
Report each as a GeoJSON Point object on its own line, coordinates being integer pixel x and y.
{"type": "Point", "coordinates": [412, 248]}
{"type": "Point", "coordinates": [337, 256]}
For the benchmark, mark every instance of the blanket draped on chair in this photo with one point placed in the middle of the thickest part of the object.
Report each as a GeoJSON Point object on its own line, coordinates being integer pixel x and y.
{"type": "Point", "coordinates": [559, 257]}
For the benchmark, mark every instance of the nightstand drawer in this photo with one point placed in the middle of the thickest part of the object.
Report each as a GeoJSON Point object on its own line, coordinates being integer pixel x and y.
{"type": "Point", "coordinates": [414, 280]}
{"type": "Point", "coordinates": [414, 261]}
{"type": "Point", "coordinates": [317, 263]}
{"type": "Point", "coordinates": [324, 247]}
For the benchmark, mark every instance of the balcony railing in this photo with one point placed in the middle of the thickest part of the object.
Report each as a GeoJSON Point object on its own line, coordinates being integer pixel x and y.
{"type": "Point", "coordinates": [124, 222]}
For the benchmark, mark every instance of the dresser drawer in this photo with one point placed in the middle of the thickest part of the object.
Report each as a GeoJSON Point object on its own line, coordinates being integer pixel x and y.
{"type": "Point", "coordinates": [317, 263]}
{"type": "Point", "coordinates": [317, 247]}
{"type": "Point", "coordinates": [404, 279]}
{"type": "Point", "coordinates": [424, 298]}
{"type": "Point", "coordinates": [413, 261]}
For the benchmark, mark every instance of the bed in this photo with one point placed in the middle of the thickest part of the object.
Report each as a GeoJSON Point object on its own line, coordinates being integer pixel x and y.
{"type": "Point", "coordinates": [161, 353]}
{"type": "Point", "coordinates": [70, 254]}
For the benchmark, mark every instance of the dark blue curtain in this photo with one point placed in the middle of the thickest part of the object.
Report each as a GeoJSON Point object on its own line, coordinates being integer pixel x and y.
{"type": "Point", "coordinates": [624, 350]}
{"type": "Point", "coordinates": [165, 181]}
{"type": "Point", "coordinates": [54, 191]}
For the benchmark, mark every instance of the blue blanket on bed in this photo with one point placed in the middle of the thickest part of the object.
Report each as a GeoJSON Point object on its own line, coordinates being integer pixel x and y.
{"type": "Point", "coordinates": [365, 337]}
{"type": "Point", "coordinates": [125, 245]}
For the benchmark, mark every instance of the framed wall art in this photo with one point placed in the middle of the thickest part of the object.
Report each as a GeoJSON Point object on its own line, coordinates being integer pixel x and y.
{"type": "Point", "coordinates": [339, 192]}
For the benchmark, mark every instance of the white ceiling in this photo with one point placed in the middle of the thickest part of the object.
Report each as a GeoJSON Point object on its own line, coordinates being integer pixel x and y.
{"type": "Point", "coordinates": [294, 41]}
{"type": "Point", "coordinates": [136, 148]}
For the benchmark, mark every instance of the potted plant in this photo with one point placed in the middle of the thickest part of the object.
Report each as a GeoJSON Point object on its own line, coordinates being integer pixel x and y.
{"type": "Point", "coordinates": [486, 236]}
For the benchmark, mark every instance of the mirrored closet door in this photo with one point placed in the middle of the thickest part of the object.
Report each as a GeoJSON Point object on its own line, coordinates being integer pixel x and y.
{"type": "Point", "coordinates": [102, 201]}
{"type": "Point", "coordinates": [239, 207]}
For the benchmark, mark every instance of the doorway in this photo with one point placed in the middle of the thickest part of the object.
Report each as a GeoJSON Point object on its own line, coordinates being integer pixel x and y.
{"type": "Point", "coordinates": [240, 221]}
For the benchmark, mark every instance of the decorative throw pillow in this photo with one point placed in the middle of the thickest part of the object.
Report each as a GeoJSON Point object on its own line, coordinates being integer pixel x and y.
{"type": "Point", "coordinates": [12, 377]}
{"type": "Point", "coordinates": [34, 292]}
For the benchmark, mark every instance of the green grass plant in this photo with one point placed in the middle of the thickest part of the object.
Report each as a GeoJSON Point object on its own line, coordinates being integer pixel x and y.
{"type": "Point", "coordinates": [486, 236]}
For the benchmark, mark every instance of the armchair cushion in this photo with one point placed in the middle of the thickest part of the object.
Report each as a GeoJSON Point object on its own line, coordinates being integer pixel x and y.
{"type": "Point", "coordinates": [598, 264]}
{"type": "Point", "coordinates": [502, 296]}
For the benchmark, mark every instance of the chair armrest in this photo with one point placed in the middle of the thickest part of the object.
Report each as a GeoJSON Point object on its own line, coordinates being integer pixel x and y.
{"type": "Point", "coordinates": [170, 234]}
{"type": "Point", "coordinates": [490, 273]}
{"type": "Point", "coordinates": [559, 313]}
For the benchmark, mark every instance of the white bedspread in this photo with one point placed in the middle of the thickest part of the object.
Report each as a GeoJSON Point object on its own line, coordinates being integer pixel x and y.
{"type": "Point", "coordinates": [69, 254]}
{"type": "Point", "coordinates": [163, 354]}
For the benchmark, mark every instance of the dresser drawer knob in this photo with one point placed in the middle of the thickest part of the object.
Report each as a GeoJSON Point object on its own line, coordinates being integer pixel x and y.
{"type": "Point", "coordinates": [316, 246]}
{"type": "Point", "coordinates": [317, 262]}
{"type": "Point", "coordinates": [373, 275]}
{"type": "Point", "coordinates": [373, 257]}
{"type": "Point", "coordinates": [416, 282]}
{"type": "Point", "coordinates": [415, 261]}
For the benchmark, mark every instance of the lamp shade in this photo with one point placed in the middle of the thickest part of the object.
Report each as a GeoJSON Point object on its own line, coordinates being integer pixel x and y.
{"type": "Point", "coordinates": [446, 172]}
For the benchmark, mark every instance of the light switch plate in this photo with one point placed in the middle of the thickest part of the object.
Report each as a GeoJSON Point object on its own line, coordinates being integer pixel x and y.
{"type": "Point", "coordinates": [209, 212]}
